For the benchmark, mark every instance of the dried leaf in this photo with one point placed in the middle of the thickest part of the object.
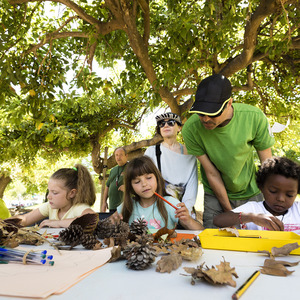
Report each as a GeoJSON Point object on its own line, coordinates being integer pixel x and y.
{"type": "Point", "coordinates": [195, 272]}
{"type": "Point", "coordinates": [281, 251]}
{"type": "Point", "coordinates": [284, 250]}
{"type": "Point", "coordinates": [276, 267]}
{"type": "Point", "coordinates": [115, 254]}
{"type": "Point", "coordinates": [88, 222]}
{"type": "Point", "coordinates": [110, 242]}
{"type": "Point", "coordinates": [278, 271]}
{"type": "Point", "coordinates": [231, 230]}
{"type": "Point", "coordinates": [271, 262]}
{"type": "Point", "coordinates": [163, 231]}
{"type": "Point", "coordinates": [221, 274]}
{"type": "Point", "coordinates": [161, 249]}
{"type": "Point", "coordinates": [191, 253]}
{"type": "Point", "coordinates": [169, 263]}
{"type": "Point", "coordinates": [97, 246]}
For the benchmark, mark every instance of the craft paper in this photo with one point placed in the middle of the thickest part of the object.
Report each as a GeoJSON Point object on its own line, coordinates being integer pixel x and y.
{"type": "Point", "coordinates": [40, 281]}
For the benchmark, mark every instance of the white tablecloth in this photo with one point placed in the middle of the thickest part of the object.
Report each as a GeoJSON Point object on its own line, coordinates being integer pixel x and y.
{"type": "Point", "coordinates": [115, 281]}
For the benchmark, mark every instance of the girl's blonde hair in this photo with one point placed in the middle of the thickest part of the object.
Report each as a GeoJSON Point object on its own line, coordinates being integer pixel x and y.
{"type": "Point", "coordinates": [137, 167]}
{"type": "Point", "coordinates": [78, 178]}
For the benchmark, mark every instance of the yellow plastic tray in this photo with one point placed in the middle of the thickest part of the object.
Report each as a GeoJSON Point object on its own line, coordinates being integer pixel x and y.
{"type": "Point", "coordinates": [249, 240]}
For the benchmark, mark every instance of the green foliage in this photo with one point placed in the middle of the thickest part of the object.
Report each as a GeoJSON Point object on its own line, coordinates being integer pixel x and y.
{"type": "Point", "coordinates": [52, 103]}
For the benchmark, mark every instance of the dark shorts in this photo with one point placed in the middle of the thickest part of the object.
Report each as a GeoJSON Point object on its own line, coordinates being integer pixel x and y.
{"type": "Point", "coordinates": [212, 207]}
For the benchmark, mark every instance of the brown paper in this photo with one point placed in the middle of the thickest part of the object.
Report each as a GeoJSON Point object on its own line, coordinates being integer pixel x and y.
{"type": "Point", "coordinates": [41, 281]}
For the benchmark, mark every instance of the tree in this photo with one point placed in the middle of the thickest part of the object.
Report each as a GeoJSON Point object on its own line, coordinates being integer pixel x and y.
{"type": "Point", "coordinates": [167, 47]}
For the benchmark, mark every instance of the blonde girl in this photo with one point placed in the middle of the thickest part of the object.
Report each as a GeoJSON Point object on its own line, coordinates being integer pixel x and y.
{"type": "Point", "coordinates": [71, 193]}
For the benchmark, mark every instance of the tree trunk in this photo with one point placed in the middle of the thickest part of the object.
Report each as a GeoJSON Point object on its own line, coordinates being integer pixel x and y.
{"type": "Point", "coordinates": [4, 181]}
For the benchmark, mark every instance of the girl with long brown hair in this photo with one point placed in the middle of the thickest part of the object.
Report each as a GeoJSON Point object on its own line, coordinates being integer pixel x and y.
{"type": "Point", "coordinates": [142, 179]}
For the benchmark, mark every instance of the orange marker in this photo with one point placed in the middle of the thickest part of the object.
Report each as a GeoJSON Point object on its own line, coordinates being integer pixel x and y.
{"type": "Point", "coordinates": [165, 200]}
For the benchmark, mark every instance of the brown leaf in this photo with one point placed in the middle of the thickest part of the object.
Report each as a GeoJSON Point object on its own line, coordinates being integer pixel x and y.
{"type": "Point", "coordinates": [271, 262]}
{"type": "Point", "coordinates": [281, 251]}
{"type": "Point", "coordinates": [279, 270]}
{"type": "Point", "coordinates": [115, 254]}
{"type": "Point", "coordinates": [191, 253]}
{"type": "Point", "coordinates": [284, 250]}
{"type": "Point", "coordinates": [276, 267]}
{"type": "Point", "coordinates": [169, 263]}
{"type": "Point", "coordinates": [222, 274]}
{"type": "Point", "coordinates": [163, 231]}
{"type": "Point", "coordinates": [88, 222]}
{"type": "Point", "coordinates": [161, 249]}
{"type": "Point", "coordinates": [110, 242]}
{"type": "Point", "coordinates": [97, 246]}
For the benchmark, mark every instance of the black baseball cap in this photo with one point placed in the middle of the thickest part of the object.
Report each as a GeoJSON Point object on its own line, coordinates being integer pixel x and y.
{"type": "Point", "coordinates": [212, 94]}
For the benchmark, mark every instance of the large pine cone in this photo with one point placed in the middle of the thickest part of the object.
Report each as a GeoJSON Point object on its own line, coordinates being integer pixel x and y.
{"type": "Point", "coordinates": [71, 235]}
{"type": "Point", "coordinates": [139, 227]}
{"type": "Point", "coordinates": [105, 228]}
{"type": "Point", "coordinates": [140, 255]}
{"type": "Point", "coordinates": [89, 241]}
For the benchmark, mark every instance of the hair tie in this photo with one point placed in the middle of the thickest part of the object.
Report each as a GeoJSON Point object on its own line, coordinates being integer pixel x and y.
{"type": "Point", "coordinates": [74, 169]}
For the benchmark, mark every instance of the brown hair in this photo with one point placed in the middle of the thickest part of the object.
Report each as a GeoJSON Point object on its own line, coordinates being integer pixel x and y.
{"type": "Point", "coordinates": [137, 167]}
{"type": "Point", "coordinates": [78, 178]}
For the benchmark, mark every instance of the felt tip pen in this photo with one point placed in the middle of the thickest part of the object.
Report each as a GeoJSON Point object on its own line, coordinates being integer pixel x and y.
{"type": "Point", "coordinates": [245, 286]}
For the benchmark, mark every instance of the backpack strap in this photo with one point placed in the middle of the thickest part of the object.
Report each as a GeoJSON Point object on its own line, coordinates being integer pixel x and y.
{"type": "Point", "coordinates": [181, 149]}
{"type": "Point", "coordinates": [158, 154]}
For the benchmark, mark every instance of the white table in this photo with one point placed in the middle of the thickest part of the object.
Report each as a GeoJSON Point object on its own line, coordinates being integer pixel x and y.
{"type": "Point", "coordinates": [115, 281]}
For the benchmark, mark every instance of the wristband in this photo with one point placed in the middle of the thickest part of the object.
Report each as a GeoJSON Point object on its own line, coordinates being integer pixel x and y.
{"type": "Point", "coordinates": [243, 226]}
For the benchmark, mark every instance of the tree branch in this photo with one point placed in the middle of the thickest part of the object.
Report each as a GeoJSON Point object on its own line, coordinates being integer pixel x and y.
{"type": "Point", "coordinates": [145, 8]}
{"type": "Point", "coordinates": [265, 8]}
{"type": "Point", "coordinates": [54, 36]}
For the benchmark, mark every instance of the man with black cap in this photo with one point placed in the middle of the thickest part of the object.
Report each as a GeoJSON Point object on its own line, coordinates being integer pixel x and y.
{"type": "Point", "coordinates": [223, 135]}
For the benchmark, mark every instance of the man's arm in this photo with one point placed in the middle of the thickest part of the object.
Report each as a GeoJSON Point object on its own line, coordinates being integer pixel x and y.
{"type": "Point", "coordinates": [215, 181]}
{"type": "Point", "coordinates": [104, 205]}
{"type": "Point", "coordinates": [264, 154]}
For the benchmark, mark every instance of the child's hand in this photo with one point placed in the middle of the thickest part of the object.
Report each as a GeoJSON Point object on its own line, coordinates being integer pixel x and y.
{"type": "Point", "coordinates": [182, 212]}
{"type": "Point", "coordinates": [51, 223]}
{"type": "Point", "coordinates": [185, 218]}
{"type": "Point", "coordinates": [116, 218]}
{"type": "Point", "coordinates": [270, 222]}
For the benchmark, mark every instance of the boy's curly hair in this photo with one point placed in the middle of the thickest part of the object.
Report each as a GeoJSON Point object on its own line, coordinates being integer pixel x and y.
{"type": "Point", "coordinates": [280, 166]}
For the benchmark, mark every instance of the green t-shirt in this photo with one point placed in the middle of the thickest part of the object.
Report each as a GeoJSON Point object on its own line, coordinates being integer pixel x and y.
{"type": "Point", "coordinates": [230, 148]}
{"type": "Point", "coordinates": [114, 181]}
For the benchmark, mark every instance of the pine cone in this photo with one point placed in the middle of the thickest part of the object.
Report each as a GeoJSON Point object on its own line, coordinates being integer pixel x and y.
{"type": "Point", "coordinates": [121, 228]}
{"type": "Point", "coordinates": [71, 235]}
{"type": "Point", "coordinates": [139, 227]}
{"type": "Point", "coordinates": [139, 255]}
{"type": "Point", "coordinates": [105, 228]}
{"type": "Point", "coordinates": [89, 241]}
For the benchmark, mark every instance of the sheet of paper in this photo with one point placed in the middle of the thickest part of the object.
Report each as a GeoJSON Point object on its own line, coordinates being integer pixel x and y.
{"type": "Point", "coordinates": [40, 281]}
